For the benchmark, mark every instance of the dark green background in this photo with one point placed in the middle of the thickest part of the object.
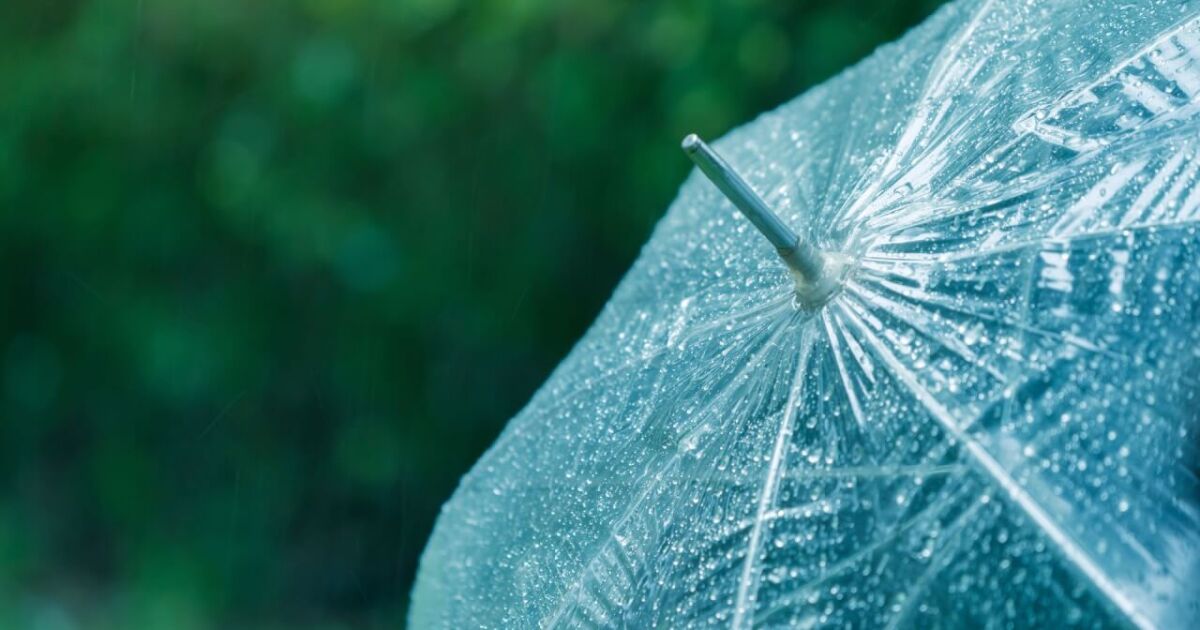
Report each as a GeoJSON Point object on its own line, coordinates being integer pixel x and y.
{"type": "Point", "coordinates": [275, 272]}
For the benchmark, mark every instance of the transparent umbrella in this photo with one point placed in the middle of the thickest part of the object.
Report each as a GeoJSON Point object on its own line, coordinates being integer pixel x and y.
{"type": "Point", "coordinates": [960, 390]}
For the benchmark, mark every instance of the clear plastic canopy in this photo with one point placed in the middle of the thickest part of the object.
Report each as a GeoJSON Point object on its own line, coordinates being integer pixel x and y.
{"type": "Point", "coordinates": [994, 421]}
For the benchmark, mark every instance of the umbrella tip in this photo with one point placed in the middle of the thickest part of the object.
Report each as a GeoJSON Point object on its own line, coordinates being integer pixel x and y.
{"type": "Point", "coordinates": [814, 282]}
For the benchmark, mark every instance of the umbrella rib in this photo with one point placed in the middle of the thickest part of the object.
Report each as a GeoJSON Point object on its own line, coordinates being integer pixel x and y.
{"type": "Point", "coordinates": [747, 585]}
{"type": "Point", "coordinates": [909, 315]}
{"type": "Point", "coordinates": [844, 374]}
{"type": "Point", "coordinates": [972, 254]}
{"type": "Point", "coordinates": [737, 316]}
{"type": "Point", "coordinates": [864, 291]}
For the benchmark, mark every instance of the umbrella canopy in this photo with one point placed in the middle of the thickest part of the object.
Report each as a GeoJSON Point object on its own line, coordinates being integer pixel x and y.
{"type": "Point", "coordinates": [989, 419]}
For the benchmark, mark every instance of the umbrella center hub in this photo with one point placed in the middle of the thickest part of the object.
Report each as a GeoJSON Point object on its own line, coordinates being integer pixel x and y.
{"type": "Point", "coordinates": [813, 293]}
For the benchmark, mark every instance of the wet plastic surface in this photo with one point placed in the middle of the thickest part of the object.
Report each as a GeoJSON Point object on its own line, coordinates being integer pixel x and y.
{"type": "Point", "coordinates": [993, 423]}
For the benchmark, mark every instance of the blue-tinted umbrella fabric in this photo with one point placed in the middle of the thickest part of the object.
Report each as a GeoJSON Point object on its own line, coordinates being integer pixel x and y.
{"type": "Point", "coordinates": [992, 423]}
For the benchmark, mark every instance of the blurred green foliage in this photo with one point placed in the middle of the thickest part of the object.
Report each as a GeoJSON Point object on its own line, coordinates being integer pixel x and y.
{"type": "Point", "coordinates": [276, 272]}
